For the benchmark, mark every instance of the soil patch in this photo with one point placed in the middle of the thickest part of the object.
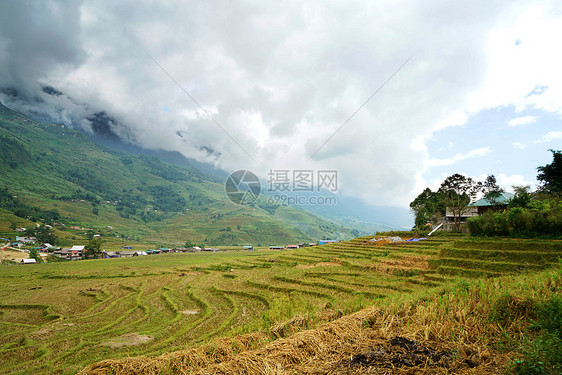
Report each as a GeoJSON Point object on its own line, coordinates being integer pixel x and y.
{"type": "Point", "coordinates": [190, 312]}
{"type": "Point", "coordinates": [402, 352]}
{"type": "Point", "coordinates": [130, 339]}
{"type": "Point", "coordinates": [14, 255]}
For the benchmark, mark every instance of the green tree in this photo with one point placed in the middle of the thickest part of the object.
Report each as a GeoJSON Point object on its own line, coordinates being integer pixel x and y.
{"type": "Point", "coordinates": [43, 234]}
{"type": "Point", "coordinates": [551, 174]}
{"type": "Point", "coordinates": [94, 246]}
{"type": "Point", "coordinates": [426, 206]}
{"type": "Point", "coordinates": [33, 253]}
{"type": "Point", "coordinates": [522, 196]}
{"type": "Point", "coordinates": [492, 192]}
{"type": "Point", "coordinates": [456, 192]}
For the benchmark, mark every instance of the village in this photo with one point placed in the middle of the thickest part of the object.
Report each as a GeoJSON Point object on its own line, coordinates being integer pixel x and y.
{"type": "Point", "coordinates": [31, 252]}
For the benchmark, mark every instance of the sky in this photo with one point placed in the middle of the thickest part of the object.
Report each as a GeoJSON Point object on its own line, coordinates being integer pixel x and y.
{"type": "Point", "coordinates": [393, 95]}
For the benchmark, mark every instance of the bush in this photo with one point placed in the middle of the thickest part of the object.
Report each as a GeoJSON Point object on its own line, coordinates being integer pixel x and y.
{"type": "Point", "coordinates": [544, 354]}
{"type": "Point", "coordinates": [540, 219]}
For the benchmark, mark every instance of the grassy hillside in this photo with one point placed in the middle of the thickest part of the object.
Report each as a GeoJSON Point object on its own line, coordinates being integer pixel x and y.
{"type": "Point", "coordinates": [49, 168]}
{"type": "Point", "coordinates": [60, 317]}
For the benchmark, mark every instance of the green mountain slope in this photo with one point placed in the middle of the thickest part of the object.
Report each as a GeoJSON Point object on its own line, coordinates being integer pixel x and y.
{"type": "Point", "coordinates": [49, 168]}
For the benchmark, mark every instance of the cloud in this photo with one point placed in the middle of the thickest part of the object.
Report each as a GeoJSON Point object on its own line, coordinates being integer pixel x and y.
{"type": "Point", "coordinates": [522, 120]}
{"type": "Point", "coordinates": [507, 182]}
{"type": "Point", "coordinates": [549, 137]}
{"type": "Point", "coordinates": [519, 145]}
{"type": "Point", "coordinates": [281, 78]}
{"type": "Point", "coordinates": [458, 157]}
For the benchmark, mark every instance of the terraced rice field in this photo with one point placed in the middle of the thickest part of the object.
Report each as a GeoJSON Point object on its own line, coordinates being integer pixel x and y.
{"type": "Point", "coordinates": [60, 317]}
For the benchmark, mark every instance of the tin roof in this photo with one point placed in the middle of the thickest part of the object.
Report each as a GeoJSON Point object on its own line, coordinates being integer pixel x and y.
{"type": "Point", "coordinates": [503, 199]}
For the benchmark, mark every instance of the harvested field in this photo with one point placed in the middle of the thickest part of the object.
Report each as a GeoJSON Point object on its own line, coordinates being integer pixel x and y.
{"type": "Point", "coordinates": [406, 338]}
{"type": "Point", "coordinates": [55, 317]}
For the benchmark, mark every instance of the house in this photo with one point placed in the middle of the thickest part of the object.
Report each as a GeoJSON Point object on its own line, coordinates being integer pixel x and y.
{"type": "Point", "coordinates": [21, 230]}
{"type": "Point", "coordinates": [324, 242]}
{"type": "Point", "coordinates": [483, 205]}
{"type": "Point", "coordinates": [476, 208]}
{"type": "Point", "coordinates": [127, 254]}
{"type": "Point", "coordinates": [248, 247]}
{"type": "Point", "coordinates": [26, 239]}
{"type": "Point", "coordinates": [126, 247]}
{"type": "Point", "coordinates": [74, 253]}
{"type": "Point", "coordinates": [28, 261]}
{"type": "Point", "coordinates": [276, 247]}
{"type": "Point", "coordinates": [292, 246]}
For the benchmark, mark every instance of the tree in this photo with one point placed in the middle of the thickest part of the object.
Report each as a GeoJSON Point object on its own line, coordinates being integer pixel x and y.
{"type": "Point", "coordinates": [522, 196]}
{"type": "Point", "coordinates": [551, 174]}
{"type": "Point", "coordinates": [457, 191]}
{"type": "Point", "coordinates": [33, 253]}
{"type": "Point", "coordinates": [94, 246]}
{"type": "Point", "coordinates": [492, 192]}
{"type": "Point", "coordinates": [43, 234]}
{"type": "Point", "coordinates": [426, 206]}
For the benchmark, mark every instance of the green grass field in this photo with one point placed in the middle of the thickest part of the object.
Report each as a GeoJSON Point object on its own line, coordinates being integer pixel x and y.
{"type": "Point", "coordinates": [61, 317]}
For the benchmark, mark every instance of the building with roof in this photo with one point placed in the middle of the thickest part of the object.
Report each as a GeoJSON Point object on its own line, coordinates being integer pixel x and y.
{"type": "Point", "coordinates": [476, 208]}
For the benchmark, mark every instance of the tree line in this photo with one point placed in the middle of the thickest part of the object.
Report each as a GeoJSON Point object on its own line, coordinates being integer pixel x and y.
{"type": "Point", "coordinates": [528, 213]}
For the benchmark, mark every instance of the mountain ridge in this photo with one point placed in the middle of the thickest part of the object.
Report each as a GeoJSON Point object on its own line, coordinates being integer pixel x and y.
{"type": "Point", "coordinates": [52, 167]}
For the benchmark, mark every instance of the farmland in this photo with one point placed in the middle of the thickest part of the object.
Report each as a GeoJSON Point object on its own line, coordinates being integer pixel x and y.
{"type": "Point", "coordinates": [61, 317]}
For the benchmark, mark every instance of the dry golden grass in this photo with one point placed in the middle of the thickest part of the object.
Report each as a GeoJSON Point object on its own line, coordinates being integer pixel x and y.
{"type": "Point", "coordinates": [456, 321]}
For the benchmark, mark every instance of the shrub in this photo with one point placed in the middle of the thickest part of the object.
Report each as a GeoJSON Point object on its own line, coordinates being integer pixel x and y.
{"type": "Point", "coordinates": [540, 219]}
{"type": "Point", "coordinates": [544, 354]}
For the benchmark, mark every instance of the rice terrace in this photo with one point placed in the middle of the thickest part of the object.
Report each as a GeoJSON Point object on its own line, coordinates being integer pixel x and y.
{"type": "Point", "coordinates": [446, 304]}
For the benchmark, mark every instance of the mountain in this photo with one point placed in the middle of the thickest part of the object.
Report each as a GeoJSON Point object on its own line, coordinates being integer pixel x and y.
{"type": "Point", "coordinates": [51, 173]}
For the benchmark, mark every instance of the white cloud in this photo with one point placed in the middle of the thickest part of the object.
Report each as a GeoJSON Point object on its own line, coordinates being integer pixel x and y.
{"type": "Point", "coordinates": [524, 120]}
{"type": "Point", "coordinates": [519, 145]}
{"type": "Point", "coordinates": [507, 182]}
{"type": "Point", "coordinates": [550, 136]}
{"type": "Point", "coordinates": [458, 157]}
{"type": "Point", "coordinates": [281, 78]}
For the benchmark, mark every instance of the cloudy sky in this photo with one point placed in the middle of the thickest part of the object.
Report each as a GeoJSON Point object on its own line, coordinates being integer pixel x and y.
{"type": "Point", "coordinates": [469, 87]}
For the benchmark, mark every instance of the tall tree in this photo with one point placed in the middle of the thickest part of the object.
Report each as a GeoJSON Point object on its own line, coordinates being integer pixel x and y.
{"type": "Point", "coordinates": [551, 174]}
{"type": "Point", "coordinates": [426, 206]}
{"type": "Point", "coordinates": [457, 191]}
{"type": "Point", "coordinates": [94, 246]}
{"type": "Point", "coordinates": [491, 190]}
